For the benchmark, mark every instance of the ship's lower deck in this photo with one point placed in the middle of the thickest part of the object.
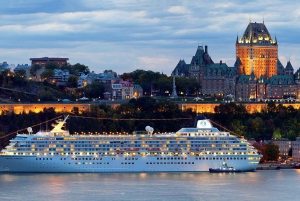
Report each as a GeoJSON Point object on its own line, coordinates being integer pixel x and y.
{"type": "Point", "coordinates": [162, 163]}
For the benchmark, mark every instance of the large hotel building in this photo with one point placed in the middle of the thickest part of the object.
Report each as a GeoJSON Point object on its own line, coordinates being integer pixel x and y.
{"type": "Point", "coordinates": [256, 75]}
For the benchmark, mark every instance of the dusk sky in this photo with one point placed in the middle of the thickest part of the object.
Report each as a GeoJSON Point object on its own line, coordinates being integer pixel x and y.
{"type": "Point", "coordinates": [139, 34]}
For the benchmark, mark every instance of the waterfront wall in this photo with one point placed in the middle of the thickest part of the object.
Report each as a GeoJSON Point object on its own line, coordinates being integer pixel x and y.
{"type": "Point", "coordinates": [68, 107]}
{"type": "Point", "coordinates": [36, 107]}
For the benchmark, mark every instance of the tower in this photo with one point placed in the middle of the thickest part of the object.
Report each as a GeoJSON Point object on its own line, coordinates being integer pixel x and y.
{"type": "Point", "coordinates": [174, 93]}
{"type": "Point", "coordinates": [257, 51]}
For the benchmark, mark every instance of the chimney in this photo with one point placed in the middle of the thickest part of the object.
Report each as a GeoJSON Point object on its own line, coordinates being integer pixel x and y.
{"type": "Point", "coordinates": [220, 62]}
{"type": "Point", "coordinates": [206, 49]}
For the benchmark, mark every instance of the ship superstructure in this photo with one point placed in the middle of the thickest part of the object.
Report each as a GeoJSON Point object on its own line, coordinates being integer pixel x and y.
{"type": "Point", "coordinates": [187, 150]}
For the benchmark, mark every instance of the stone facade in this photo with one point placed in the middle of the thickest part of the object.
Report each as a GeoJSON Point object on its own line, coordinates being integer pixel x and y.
{"type": "Point", "coordinates": [257, 74]}
{"type": "Point", "coordinates": [284, 146]}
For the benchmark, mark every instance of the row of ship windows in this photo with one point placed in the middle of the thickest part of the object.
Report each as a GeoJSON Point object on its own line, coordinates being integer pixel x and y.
{"type": "Point", "coordinates": [169, 163]}
{"type": "Point", "coordinates": [86, 163]}
{"type": "Point", "coordinates": [171, 141]}
{"type": "Point", "coordinates": [215, 136]}
{"type": "Point", "coordinates": [102, 153]}
{"type": "Point", "coordinates": [175, 158]}
{"type": "Point", "coordinates": [204, 144]}
{"type": "Point", "coordinates": [213, 158]}
{"type": "Point", "coordinates": [85, 159]}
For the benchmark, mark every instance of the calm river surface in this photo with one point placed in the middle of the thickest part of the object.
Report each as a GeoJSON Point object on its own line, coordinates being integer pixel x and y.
{"type": "Point", "coordinates": [255, 186]}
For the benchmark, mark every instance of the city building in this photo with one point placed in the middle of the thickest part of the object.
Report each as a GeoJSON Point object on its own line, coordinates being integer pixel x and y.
{"type": "Point", "coordinates": [296, 150]}
{"type": "Point", "coordinates": [284, 145]}
{"type": "Point", "coordinates": [137, 91]}
{"type": "Point", "coordinates": [24, 67]}
{"type": "Point", "coordinates": [257, 51]}
{"type": "Point", "coordinates": [4, 66]}
{"type": "Point", "coordinates": [45, 60]}
{"type": "Point", "coordinates": [257, 75]}
{"type": "Point", "coordinates": [61, 77]}
{"type": "Point", "coordinates": [127, 90]}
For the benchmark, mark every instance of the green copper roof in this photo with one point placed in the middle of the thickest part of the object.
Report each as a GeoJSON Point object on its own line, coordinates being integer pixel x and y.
{"type": "Point", "coordinates": [282, 79]}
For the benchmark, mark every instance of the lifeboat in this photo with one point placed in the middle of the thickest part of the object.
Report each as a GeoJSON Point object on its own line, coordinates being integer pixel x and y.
{"type": "Point", "coordinates": [153, 149]}
{"type": "Point", "coordinates": [132, 149]}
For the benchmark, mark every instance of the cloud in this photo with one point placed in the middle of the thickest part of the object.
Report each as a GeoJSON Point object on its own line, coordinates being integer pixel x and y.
{"type": "Point", "coordinates": [178, 10]}
{"type": "Point", "coordinates": [150, 35]}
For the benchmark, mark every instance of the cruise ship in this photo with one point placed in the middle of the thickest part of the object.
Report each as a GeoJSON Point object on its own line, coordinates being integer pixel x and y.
{"type": "Point", "coordinates": [187, 150]}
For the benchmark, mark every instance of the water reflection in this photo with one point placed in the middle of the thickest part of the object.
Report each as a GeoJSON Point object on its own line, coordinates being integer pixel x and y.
{"type": "Point", "coordinates": [152, 186]}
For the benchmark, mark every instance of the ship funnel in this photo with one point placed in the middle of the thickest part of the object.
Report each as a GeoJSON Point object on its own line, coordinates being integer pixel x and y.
{"type": "Point", "coordinates": [149, 129]}
{"type": "Point", "coordinates": [197, 118]}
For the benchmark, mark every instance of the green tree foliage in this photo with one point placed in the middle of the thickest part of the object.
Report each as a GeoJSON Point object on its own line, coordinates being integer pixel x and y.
{"type": "Point", "coordinates": [187, 86]}
{"type": "Point", "coordinates": [272, 152]}
{"type": "Point", "coordinates": [20, 73]}
{"type": "Point", "coordinates": [52, 66]}
{"type": "Point", "coordinates": [77, 68]}
{"type": "Point", "coordinates": [34, 69]}
{"type": "Point", "coordinates": [271, 107]}
{"type": "Point", "coordinates": [94, 90]}
{"type": "Point", "coordinates": [291, 135]}
{"type": "Point", "coordinates": [72, 81]}
{"type": "Point", "coordinates": [277, 134]}
{"type": "Point", "coordinates": [111, 71]}
{"type": "Point", "coordinates": [47, 74]}
{"type": "Point", "coordinates": [150, 81]}
{"type": "Point", "coordinates": [165, 85]}
{"type": "Point", "coordinates": [238, 127]}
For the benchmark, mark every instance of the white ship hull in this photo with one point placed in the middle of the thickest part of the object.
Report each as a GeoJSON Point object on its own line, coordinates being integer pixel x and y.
{"type": "Point", "coordinates": [119, 164]}
{"type": "Point", "coordinates": [188, 150]}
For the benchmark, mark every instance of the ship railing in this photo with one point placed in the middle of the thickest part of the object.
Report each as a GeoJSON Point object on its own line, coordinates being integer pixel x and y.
{"type": "Point", "coordinates": [3, 152]}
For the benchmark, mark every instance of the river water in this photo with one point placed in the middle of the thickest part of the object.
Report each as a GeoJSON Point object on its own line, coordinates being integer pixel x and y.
{"type": "Point", "coordinates": [259, 185]}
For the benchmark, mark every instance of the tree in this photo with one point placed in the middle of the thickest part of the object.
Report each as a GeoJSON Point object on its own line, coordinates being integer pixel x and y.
{"type": "Point", "coordinates": [291, 135]}
{"type": "Point", "coordinates": [271, 107]}
{"type": "Point", "coordinates": [48, 74]}
{"type": "Point", "coordinates": [72, 81]}
{"type": "Point", "coordinates": [257, 124]}
{"type": "Point", "coordinates": [238, 127]}
{"type": "Point", "coordinates": [52, 66]}
{"type": "Point", "coordinates": [277, 134]}
{"type": "Point", "coordinates": [20, 73]}
{"type": "Point", "coordinates": [77, 68]}
{"type": "Point", "coordinates": [111, 71]}
{"type": "Point", "coordinates": [34, 69]}
{"type": "Point", "coordinates": [272, 151]}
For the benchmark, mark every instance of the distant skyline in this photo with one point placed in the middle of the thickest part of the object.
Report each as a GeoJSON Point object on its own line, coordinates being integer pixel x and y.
{"type": "Point", "coordinates": [139, 34]}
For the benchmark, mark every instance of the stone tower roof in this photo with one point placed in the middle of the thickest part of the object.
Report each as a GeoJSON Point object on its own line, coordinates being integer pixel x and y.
{"type": "Point", "coordinates": [257, 33]}
{"type": "Point", "coordinates": [289, 66]}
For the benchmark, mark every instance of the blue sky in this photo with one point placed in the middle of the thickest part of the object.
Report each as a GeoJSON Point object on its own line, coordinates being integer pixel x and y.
{"type": "Point", "coordinates": [140, 34]}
